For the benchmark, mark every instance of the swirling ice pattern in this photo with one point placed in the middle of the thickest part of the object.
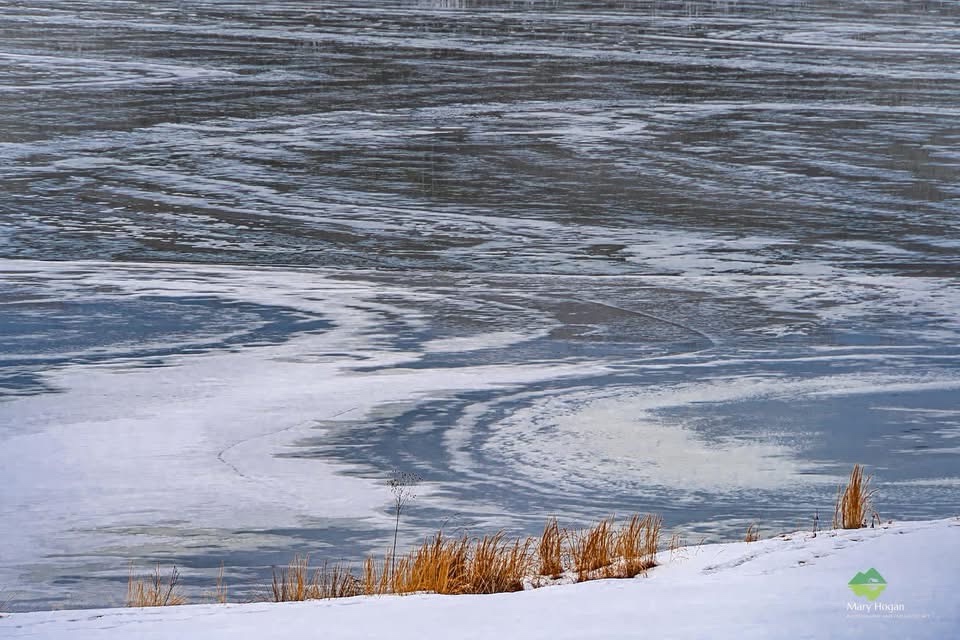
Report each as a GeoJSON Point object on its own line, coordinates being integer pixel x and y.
{"type": "Point", "coordinates": [557, 257]}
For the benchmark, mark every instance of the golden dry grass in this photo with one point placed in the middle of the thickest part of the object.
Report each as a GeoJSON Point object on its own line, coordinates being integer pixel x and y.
{"type": "Point", "coordinates": [154, 591]}
{"type": "Point", "coordinates": [497, 566]}
{"type": "Point", "coordinates": [550, 550]}
{"type": "Point", "coordinates": [292, 584]}
{"type": "Point", "coordinates": [604, 551]}
{"type": "Point", "coordinates": [336, 581]}
{"type": "Point", "coordinates": [440, 565]}
{"type": "Point", "coordinates": [453, 565]}
{"type": "Point", "coordinates": [636, 544]}
{"type": "Point", "coordinates": [592, 549]}
{"type": "Point", "coordinates": [489, 564]}
{"type": "Point", "coordinates": [297, 582]}
{"type": "Point", "coordinates": [853, 501]}
{"type": "Point", "coordinates": [376, 576]}
{"type": "Point", "coordinates": [676, 542]}
{"type": "Point", "coordinates": [221, 593]}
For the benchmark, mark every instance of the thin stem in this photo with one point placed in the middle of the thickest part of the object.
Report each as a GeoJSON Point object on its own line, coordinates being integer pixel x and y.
{"type": "Point", "coordinates": [396, 530]}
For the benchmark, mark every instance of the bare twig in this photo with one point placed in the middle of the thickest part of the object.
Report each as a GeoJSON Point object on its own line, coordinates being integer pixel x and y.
{"type": "Point", "coordinates": [154, 591]}
{"type": "Point", "coordinates": [402, 485]}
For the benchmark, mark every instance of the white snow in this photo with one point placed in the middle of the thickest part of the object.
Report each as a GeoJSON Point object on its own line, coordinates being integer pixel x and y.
{"type": "Point", "coordinates": [792, 586]}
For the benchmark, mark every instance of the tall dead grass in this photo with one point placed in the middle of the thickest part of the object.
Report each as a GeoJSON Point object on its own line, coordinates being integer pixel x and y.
{"type": "Point", "coordinates": [499, 566]}
{"type": "Point", "coordinates": [154, 591]}
{"type": "Point", "coordinates": [492, 563]}
{"type": "Point", "coordinates": [488, 564]}
{"type": "Point", "coordinates": [550, 550]}
{"type": "Point", "coordinates": [604, 551]}
{"type": "Point", "coordinates": [221, 593]}
{"type": "Point", "coordinates": [853, 501]}
{"type": "Point", "coordinates": [447, 564]}
{"type": "Point", "coordinates": [292, 584]}
{"type": "Point", "coordinates": [376, 576]}
{"type": "Point", "coordinates": [297, 582]}
{"type": "Point", "coordinates": [637, 544]}
{"type": "Point", "coordinates": [676, 543]}
{"type": "Point", "coordinates": [592, 549]}
{"type": "Point", "coordinates": [337, 581]}
{"type": "Point", "coordinates": [440, 565]}
{"type": "Point", "coordinates": [458, 565]}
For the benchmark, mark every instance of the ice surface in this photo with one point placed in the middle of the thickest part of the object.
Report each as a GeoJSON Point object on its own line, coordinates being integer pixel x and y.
{"type": "Point", "coordinates": [255, 255]}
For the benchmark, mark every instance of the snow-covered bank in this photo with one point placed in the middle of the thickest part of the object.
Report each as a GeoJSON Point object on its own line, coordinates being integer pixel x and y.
{"type": "Point", "coordinates": [793, 586]}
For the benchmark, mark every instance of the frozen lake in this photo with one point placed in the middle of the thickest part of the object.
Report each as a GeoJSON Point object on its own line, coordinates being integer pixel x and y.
{"type": "Point", "coordinates": [572, 258]}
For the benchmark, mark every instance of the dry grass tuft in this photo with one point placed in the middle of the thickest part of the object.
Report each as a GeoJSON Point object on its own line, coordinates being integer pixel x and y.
{"type": "Point", "coordinates": [220, 594]}
{"type": "Point", "coordinates": [489, 564]}
{"type": "Point", "coordinates": [550, 550]}
{"type": "Point", "coordinates": [439, 565]}
{"type": "Point", "coordinates": [297, 582]}
{"type": "Point", "coordinates": [592, 549]}
{"type": "Point", "coordinates": [376, 576]}
{"type": "Point", "coordinates": [154, 591]}
{"type": "Point", "coordinates": [292, 584]}
{"type": "Point", "coordinates": [636, 545]}
{"type": "Point", "coordinates": [676, 543]}
{"type": "Point", "coordinates": [336, 581]}
{"type": "Point", "coordinates": [853, 501]}
{"type": "Point", "coordinates": [753, 534]}
{"type": "Point", "coordinates": [605, 552]}
{"type": "Point", "coordinates": [497, 566]}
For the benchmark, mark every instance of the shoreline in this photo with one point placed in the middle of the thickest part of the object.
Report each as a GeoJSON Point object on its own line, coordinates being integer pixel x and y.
{"type": "Point", "coordinates": [792, 585]}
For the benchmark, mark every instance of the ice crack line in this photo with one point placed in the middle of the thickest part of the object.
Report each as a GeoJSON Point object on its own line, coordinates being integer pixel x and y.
{"type": "Point", "coordinates": [221, 456]}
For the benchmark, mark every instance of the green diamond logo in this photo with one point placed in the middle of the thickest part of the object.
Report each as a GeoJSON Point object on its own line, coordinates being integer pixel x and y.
{"type": "Point", "coordinates": [868, 585]}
